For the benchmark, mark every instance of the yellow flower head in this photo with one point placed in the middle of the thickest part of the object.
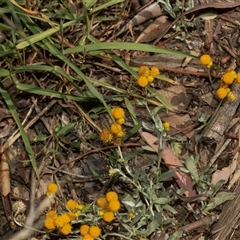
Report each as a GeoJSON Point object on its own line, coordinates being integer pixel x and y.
{"type": "Point", "coordinates": [80, 206]}
{"type": "Point", "coordinates": [206, 60]}
{"type": "Point", "coordinates": [71, 215]}
{"type": "Point", "coordinates": [51, 189]}
{"type": "Point", "coordinates": [94, 231]}
{"type": "Point", "coordinates": [130, 214]}
{"type": "Point", "coordinates": [221, 93]}
{"type": "Point", "coordinates": [144, 71]}
{"type": "Point", "coordinates": [228, 90]}
{"type": "Point", "coordinates": [117, 113]}
{"type": "Point", "coordinates": [71, 204]}
{"type": "Point", "coordinates": [116, 128]}
{"type": "Point", "coordinates": [66, 217]}
{"type": "Point", "coordinates": [150, 78]}
{"type": "Point", "coordinates": [88, 237]}
{"type": "Point", "coordinates": [231, 96]}
{"type": "Point", "coordinates": [49, 223]}
{"type": "Point", "coordinates": [106, 135]}
{"type": "Point", "coordinates": [108, 216]}
{"type": "Point", "coordinates": [66, 229]}
{"type": "Point", "coordinates": [61, 220]}
{"type": "Point", "coordinates": [142, 81]}
{"type": "Point", "coordinates": [154, 72]}
{"type": "Point", "coordinates": [223, 84]}
{"type": "Point", "coordinates": [238, 78]}
{"type": "Point", "coordinates": [120, 121]}
{"type": "Point", "coordinates": [51, 214]}
{"type": "Point", "coordinates": [111, 171]}
{"type": "Point", "coordinates": [114, 205]}
{"type": "Point", "coordinates": [100, 213]}
{"type": "Point", "coordinates": [120, 134]}
{"type": "Point", "coordinates": [166, 126]}
{"type": "Point", "coordinates": [101, 202]}
{"type": "Point", "coordinates": [84, 230]}
{"type": "Point", "coordinates": [110, 196]}
{"type": "Point", "coordinates": [229, 76]}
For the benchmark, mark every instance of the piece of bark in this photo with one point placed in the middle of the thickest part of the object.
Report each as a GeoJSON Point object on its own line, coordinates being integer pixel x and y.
{"type": "Point", "coordinates": [228, 219]}
{"type": "Point", "coordinates": [217, 127]}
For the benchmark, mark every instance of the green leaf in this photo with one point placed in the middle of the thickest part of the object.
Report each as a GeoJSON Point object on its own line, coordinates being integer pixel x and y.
{"type": "Point", "coordinates": [162, 201]}
{"type": "Point", "coordinates": [166, 176]}
{"type": "Point", "coordinates": [176, 235]}
{"type": "Point", "coordinates": [219, 199]}
{"type": "Point", "coordinates": [152, 226]}
{"type": "Point", "coordinates": [65, 130]}
{"type": "Point", "coordinates": [190, 164]}
{"type": "Point", "coordinates": [40, 138]}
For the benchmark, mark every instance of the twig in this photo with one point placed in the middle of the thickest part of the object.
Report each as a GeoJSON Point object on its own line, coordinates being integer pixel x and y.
{"type": "Point", "coordinates": [33, 213]}
{"type": "Point", "coordinates": [119, 235]}
{"type": "Point", "coordinates": [206, 221]}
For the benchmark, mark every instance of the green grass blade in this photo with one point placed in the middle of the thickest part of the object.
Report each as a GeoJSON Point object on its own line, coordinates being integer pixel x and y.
{"type": "Point", "coordinates": [14, 113]}
{"type": "Point", "coordinates": [4, 72]}
{"type": "Point", "coordinates": [106, 5]}
{"type": "Point", "coordinates": [126, 46]}
{"type": "Point", "coordinates": [51, 93]}
{"type": "Point", "coordinates": [42, 35]}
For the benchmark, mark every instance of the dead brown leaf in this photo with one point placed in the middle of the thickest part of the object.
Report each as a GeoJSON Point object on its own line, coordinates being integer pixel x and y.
{"type": "Point", "coordinates": [177, 96]}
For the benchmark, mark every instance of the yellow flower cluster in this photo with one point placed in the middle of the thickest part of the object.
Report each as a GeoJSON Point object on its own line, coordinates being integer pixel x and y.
{"type": "Point", "coordinates": [228, 77]}
{"type": "Point", "coordinates": [116, 130]}
{"type": "Point", "coordinates": [147, 75]}
{"type": "Point", "coordinates": [73, 205]}
{"type": "Point", "coordinates": [90, 232]}
{"type": "Point", "coordinates": [63, 221]}
{"type": "Point", "coordinates": [108, 205]}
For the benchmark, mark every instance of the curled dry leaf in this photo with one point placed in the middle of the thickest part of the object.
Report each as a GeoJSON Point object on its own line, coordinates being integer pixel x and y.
{"type": "Point", "coordinates": [171, 160]}
{"type": "Point", "coordinates": [154, 29]}
{"type": "Point", "coordinates": [150, 12]}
